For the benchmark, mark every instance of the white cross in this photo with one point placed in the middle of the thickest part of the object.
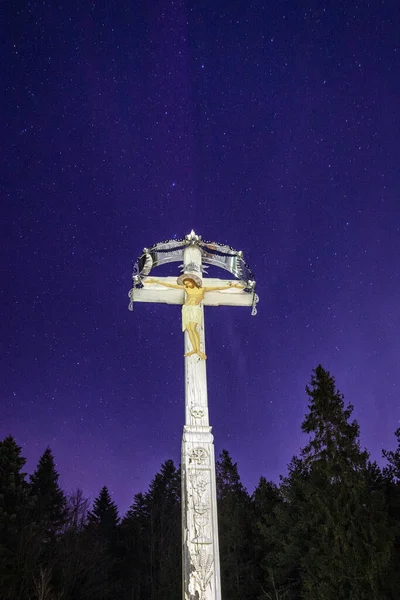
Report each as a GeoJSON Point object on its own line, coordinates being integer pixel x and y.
{"type": "Point", "coordinates": [201, 569]}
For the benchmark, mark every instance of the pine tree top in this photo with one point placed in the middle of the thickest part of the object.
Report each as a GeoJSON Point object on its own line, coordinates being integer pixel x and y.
{"type": "Point", "coordinates": [48, 501]}
{"type": "Point", "coordinates": [104, 512]}
{"type": "Point", "coordinates": [11, 463]}
{"type": "Point", "coordinates": [228, 478]}
{"type": "Point", "coordinates": [334, 439]}
{"type": "Point", "coordinates": [10, 455]}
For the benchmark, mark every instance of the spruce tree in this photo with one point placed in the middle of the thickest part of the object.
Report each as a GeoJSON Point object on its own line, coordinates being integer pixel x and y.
{"type": "Point", "coordinates": [101, 536]}
{"type": "Point", "coordinates": [350, 538]}
{"type": "Point", "coordinates": [391, 486]}
{"type": "Point", "coordinates": [135, 550]}
{"type": "Point", "coordinates": [266, 497]}
{"type": "Point", "coordinates": [13, 491]}
{"type": "Point", "coordinates": [104, 514]}
{"type": "Point", "coordinates": [331, 533]}
{"type": "Point", "coordinates": [286, 535]}
{"type": "Point", "coordinates": [49, 505]}
{"type": "Point", "coordinates": [150, 537]}
{"type": "Point", "coordinates": [235, 516]}
{"type": "Point", "coordinates": [164, 522]}
{"type": "Point", "coordinates": [13, 510]}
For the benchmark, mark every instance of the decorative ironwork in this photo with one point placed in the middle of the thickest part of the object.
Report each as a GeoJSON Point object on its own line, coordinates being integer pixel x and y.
{"type": "Point", "coordinates": [218, 255]}
{"type": "Point", "coordinates": [254, 305]}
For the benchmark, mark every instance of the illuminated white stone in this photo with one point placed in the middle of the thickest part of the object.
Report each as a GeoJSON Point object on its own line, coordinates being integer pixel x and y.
{"type": "Point", "coordinates": [201, 568]}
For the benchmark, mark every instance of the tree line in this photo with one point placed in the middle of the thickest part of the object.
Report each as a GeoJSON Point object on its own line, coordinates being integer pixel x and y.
{"type": "Point", "coordinates": [330, 530]}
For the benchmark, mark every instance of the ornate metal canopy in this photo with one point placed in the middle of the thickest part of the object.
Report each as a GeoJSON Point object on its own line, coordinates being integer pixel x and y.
{"type": "Point", "coordinates": [219, 255]}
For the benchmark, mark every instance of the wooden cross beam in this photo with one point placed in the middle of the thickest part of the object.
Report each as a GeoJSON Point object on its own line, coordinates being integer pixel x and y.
{"type": "Point", "coordinates": [152, 292]}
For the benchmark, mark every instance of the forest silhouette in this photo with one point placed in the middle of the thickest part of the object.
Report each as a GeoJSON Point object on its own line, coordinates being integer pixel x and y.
{"type": "Point", "coordinates": [329, 530]}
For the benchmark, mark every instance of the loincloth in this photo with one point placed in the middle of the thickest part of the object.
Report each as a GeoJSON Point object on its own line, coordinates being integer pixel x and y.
{"type": "Point", "coordinates": [191, 314]}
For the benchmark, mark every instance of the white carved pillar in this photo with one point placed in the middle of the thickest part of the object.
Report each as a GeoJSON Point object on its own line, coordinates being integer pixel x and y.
{"type": "Point", "coordinates": [201, 570]}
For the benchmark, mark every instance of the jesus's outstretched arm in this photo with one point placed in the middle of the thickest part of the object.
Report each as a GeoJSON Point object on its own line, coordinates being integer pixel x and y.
{"type": "Point", "coordinates": [170, 285]}
{"type": "Point", "coordinates": [225, 287]}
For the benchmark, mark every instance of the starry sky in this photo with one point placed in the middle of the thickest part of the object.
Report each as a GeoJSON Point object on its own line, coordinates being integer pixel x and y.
{"type": "Point", "coordinates": [269, 126]}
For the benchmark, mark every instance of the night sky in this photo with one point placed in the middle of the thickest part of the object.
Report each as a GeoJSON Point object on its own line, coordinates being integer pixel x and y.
{"type": "Point", "coordinates": [269, 126]}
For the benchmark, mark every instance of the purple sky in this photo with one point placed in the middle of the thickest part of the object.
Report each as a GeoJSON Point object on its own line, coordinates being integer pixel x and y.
{"type": "Point", "coordinates": [272, 127]}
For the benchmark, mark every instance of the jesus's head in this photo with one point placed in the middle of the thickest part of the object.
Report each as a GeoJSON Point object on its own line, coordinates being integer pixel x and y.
{"type": "Point", "coordinates": [189, 283]}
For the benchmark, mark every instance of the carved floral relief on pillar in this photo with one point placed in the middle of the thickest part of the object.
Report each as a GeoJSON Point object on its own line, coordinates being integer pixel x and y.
{"type": "Point", "coordinates": [201, 553]}
{"type": "Point", "coordinates": [203, 563]}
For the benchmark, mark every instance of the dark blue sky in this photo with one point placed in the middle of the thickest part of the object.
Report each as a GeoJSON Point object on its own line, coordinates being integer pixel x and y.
{"type": "Point", "coordinates": [270, 126]}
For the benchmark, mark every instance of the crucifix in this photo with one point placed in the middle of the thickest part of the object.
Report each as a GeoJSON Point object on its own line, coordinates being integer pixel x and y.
{"type": "Point", "coordinates": [200, 551]}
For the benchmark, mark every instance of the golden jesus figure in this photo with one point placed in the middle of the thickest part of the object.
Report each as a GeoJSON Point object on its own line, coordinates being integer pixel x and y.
{"type": "Point", "coordinates": [191, 309]}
